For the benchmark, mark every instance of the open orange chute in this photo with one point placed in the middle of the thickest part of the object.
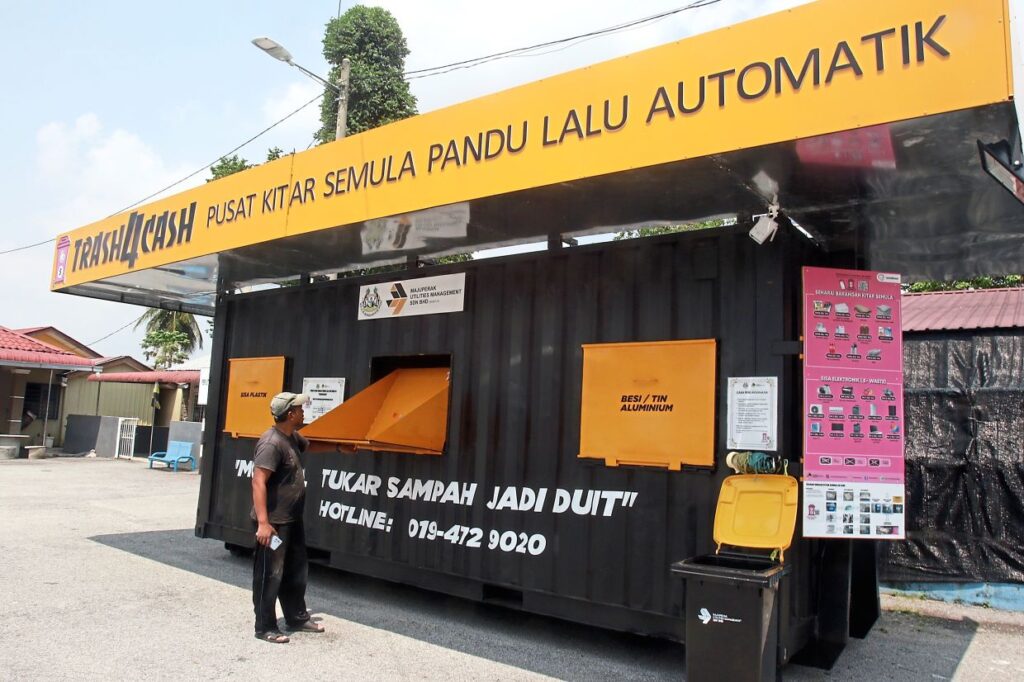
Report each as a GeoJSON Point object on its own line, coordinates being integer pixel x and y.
{"type": "Point", "coordinates": [406, 411]}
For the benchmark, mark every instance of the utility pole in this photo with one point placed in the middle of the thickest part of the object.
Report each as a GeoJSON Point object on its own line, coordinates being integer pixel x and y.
{"type": "Point", "coordinates": [342, 85]}
{"type": "Point", "coordinates": [278, 52]}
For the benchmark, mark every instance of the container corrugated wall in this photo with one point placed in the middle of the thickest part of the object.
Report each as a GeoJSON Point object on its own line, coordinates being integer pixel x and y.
{"type": "Point", "coordinates": [516, 370]}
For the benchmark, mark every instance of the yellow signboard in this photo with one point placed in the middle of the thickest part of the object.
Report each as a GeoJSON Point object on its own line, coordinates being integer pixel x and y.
{"type": "Point", "coordinates": [824, 67]}
{"type": "Point", "coordinates": [651, 404]}
{"type": "Point", "coordinates": [252, 383]}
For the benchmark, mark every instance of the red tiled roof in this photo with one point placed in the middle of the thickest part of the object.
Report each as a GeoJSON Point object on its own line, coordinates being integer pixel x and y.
{"type": "Point", "coordinates": [81, 348]}
{"type": "Point", "coordinates": [15, 347]}
{"type": "Point", "coordinates": [12, 340]}
{"type": "Point", "coordinates": [105, 360]}
{"type": "Point", "coordinates": [977, 309]}
{"type": "Point", "coordinates": [172, 376]}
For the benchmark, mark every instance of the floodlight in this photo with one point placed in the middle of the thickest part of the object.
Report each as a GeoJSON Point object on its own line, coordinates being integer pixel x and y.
{"type": "Point", "coordinates": [996, 160]}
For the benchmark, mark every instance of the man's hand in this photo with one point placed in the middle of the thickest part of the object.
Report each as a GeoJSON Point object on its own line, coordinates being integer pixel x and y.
{"type": "Point", "coordinates": [264, 532]}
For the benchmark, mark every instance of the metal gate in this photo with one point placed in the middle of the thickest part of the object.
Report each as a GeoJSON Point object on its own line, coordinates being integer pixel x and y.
{"type": "Point", "coordinates": [126, 437]}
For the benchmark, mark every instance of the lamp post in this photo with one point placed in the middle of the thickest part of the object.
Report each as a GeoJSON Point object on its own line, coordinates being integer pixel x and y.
{"type": "Point", "coordinates": [278, 51]}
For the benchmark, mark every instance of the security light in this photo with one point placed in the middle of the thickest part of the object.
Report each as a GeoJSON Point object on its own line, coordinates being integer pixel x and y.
{"type": "Point", "coordinates": [996, 160]}
{"type": "Point", "coordinates": [766, 226]}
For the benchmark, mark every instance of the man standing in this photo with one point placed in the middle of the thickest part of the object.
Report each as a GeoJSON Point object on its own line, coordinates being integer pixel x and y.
{"type": "Point", "coordinates": [280, 567]}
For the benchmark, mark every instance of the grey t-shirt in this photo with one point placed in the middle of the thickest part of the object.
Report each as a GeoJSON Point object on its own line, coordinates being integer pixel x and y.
{"type": "Point", "coordinates": [286, 486]}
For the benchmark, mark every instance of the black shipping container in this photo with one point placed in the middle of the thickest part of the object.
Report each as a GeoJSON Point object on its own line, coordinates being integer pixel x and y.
{"type": "Point", "coordinates": [516, 366]}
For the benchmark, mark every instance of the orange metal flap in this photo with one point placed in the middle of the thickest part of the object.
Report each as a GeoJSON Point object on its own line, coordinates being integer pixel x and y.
{"type": "Point", "coordinates": [406, 411]}
{"type": "Point", "coordinates": [252, 382]}
{"type": "Point", "coordinates": [351, 420]}
{"type": "Point", "coordinates": [649, 403]}
{"type": "Point", "coordinates": [415, 411]}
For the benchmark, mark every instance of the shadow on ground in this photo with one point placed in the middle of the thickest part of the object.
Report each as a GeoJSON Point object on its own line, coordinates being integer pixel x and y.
{"type": "Point", "coordinates": [543, 645]}
{"type": "Point", "coordinates": [903, 645]}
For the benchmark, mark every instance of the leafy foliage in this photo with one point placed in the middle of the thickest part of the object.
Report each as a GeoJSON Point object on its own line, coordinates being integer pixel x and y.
{"type": "Point", "coordinates": [228, 165]}
{"type": "Point", "coordinates": [454, 258]}
{"type": "Point", "coordinates": [165, 348]}
{"type": "Point", "coordinates": [655, 230]}
{"type": "Point", "coordinates": [377, 93]}
{"type": "Point", "coordinates": [984, 282]}
{"type": "Point", "coordinates": [173, 321]}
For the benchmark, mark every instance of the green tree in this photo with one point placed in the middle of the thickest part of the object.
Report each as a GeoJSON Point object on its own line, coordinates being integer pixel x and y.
{"type": "Point", "coordinates": [373, 42]}
{"type": "Point", "coordinates": [165, 348]}
{"type": "Point", "coordinates": [655, 230]}
{"type": "Point", "coordinates": [983, 282]}
{"type": "Point", "coordinates": [173, 321]}
{"type": "Point", "coordinates": [227, 165]}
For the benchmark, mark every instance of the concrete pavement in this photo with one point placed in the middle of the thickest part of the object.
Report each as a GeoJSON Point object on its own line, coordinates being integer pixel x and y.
{"type": "Point", "coordinates": [104, 579]}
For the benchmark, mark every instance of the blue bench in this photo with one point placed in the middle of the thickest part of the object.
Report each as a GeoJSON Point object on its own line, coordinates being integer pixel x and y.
{"type": "Point", "coordinates": [178, 452]}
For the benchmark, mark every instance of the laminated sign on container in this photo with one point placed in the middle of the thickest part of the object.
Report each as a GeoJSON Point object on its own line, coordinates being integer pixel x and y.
{"type": "Point", "coordinates": [409, 297]}
{"type": "Point", "coordinates": [650, 404]}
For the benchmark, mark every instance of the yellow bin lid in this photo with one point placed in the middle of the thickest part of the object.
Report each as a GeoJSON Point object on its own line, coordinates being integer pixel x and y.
{"type": "Point", "coordinates": [757, 510]}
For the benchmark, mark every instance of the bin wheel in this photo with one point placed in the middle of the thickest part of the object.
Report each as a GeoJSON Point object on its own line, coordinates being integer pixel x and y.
{"type": "Point", "coordinates": [238, 550]}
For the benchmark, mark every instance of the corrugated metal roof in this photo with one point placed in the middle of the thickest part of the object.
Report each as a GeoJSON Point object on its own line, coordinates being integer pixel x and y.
{"type": "Point", "coordinates": [975, 309]}
{"type": "Point", "coordinates": [163, 376]}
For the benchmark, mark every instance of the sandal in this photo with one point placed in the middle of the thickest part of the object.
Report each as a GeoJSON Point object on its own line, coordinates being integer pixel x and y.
{"type": "Point", "coordinates": [306, 626]}
{"type": "Point", "coordinates": [273, 636]}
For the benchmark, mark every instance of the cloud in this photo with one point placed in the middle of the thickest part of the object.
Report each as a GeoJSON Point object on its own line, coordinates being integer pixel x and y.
{"type": "Point", "coordinates": [466, 29]}
{"type": "Point", "coordinates": [96, 172]}
{"type": "Point", "coordinates": [297, 132]}
{"type": "Point", "coordinates": [81, 173]}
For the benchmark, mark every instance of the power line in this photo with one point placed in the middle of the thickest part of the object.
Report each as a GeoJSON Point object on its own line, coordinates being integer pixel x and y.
{"type": "Point", "coordinates": [521, 51]}
{"type": "Point", "coordinates": [418, 74]}
{"type": "Point", "coordinates": [200, 170]}
{"type": "Point", "coordinates": [186, 177]}
{"type": "Point", "coordinates": [103, 338]}
{"type": "Point", "coordinates": [27, 246]}
{"type": "Point", "coordinates": [411, 75]}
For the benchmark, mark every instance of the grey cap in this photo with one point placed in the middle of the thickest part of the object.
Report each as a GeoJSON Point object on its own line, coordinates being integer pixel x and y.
{"type": "Point", "coordinates": [282, 402]}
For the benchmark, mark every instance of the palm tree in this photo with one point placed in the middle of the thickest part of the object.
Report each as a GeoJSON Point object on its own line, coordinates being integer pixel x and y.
{"type": "Point", "coordinates": [159, 319]}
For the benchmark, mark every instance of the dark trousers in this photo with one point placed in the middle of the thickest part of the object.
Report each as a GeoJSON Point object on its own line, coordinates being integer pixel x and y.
{"type": "Point", "coordinates": [281, 574]}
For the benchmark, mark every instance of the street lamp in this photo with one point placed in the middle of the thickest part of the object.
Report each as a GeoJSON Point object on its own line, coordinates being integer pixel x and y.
{"type": "Point", "coordinates": [278, 51]}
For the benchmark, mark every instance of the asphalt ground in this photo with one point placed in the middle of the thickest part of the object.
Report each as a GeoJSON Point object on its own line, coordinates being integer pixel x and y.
{"type": "Point", "coordinates": [102, 578]}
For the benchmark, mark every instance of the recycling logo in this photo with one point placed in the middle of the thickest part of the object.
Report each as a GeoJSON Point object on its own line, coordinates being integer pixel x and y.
{"type": "Point", "coordinates": [398, 298]}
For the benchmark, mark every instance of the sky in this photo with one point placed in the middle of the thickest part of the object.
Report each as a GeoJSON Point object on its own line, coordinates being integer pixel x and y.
{"type": "Point", "coordinates": [109, 101]}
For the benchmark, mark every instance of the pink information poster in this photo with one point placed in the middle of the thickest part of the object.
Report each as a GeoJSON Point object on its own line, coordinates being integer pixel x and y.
{"type": "Point", "coordinates": [853, 405]}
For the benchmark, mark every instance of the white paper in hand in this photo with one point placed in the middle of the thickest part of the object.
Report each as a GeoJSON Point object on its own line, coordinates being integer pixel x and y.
{"type": "Point", "coordinates": [275, 541]}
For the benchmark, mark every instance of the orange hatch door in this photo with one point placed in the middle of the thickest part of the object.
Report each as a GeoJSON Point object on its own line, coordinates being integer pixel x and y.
{"type": "Point", "coordinates": [406, 411]}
